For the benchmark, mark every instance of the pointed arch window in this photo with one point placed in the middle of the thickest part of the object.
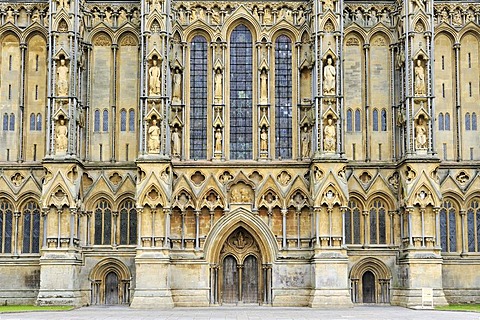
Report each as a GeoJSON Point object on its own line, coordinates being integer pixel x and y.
{"type": "Point", "coordinates": [283, 97]}
{"type": "Point", "coordinates": [352, 223]}
{"type": "Point", "coordinates": [467, 121]}
{"type": "Point", "coordinates": [105, 120]}
{"type": "Point", "coordinates": [447, 121]}
{"type": "Point", "coordinates": [12, 122]}
{"type": "Point", "coordinates": [441, 123]}
{"type": "Point", "coordinates": [6, 223]}
{"type": "Point", "coordinates": [474, 121]}
{"type": "Point", "coordinates": [96, 121]}
{"type": "Point", "coordinates": [357, 121]}
{"type": "Point", "coordinates": [39, 122]}
{"type": "Point", "coordinates": [473, 225]}
{"type": "Point", "coordinates": [349, 120]}
{"type": "Point", "coordinates": [448, 227]}
{"type": "Point", "coordinates": [128, 223]}
{"type": "Point", "coordinates": [131, 120]}
{"type": "Point", "coordinates": [375, 120]}
{"type": "Point", "coordinates": [103, 223]}
{"type": "Point", "coordinates": [378, 223]}
{"type": "Point", "coordinates": [241, 75]}
{"type": "Point", "coordinates": [5, 122]}
{"type": "Point", "coordinates": [198, 98]}
{"type": "Point", "coordinates": [31, 228]}
{"type": "Point", "coordinates": [123, 120]}
{"type": "Point", "coordinates": [384, 120]}
{"type": "Point", "coordinates": [32, 122]}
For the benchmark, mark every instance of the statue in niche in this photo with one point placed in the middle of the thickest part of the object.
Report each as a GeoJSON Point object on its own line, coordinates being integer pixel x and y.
{"type": "Point", "coordinates": [329, 136]}
{"type": "Point", "coordinates": [328, 5]}
{"type": "Point", "coordinates": [154, 137]}
{"type": "Point", "coordinates": [154, 78]}
{"type": "Point", "coordinates": [419, 78]}
{"type": "Point", "coordinates": [264, 140]}
{"type": "Point", "coordinates": [329, 76]}
{"type": "Point", "coordinates": [177, 86]}
{"type": "Point", "coordinates": [263, 86]}
{"type": "Point", "coordinates": [218, 85]}
{"type": "Point", "coordinates": [62, 79]}
{"type": "Point", "coordinates": [218, 140]}
{"type": "Point", "coordinates": [35, 16]}
{"type": "Point", "coordinates": [61, 136]}
{"type": "Point", "coordinates": [421, 133]}
{"type": "Point", "coordinates": [176, 143]}
{"type": "Point", "coordinates": [305, 142]}
{"type": "Point", "coordinates": [9, 17]}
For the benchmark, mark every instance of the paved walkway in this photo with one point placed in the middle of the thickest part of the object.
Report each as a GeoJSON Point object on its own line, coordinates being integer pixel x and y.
{"type": "Point", "coordinates": [246, 313]}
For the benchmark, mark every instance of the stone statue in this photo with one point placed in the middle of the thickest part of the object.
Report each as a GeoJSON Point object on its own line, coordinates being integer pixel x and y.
{"type": "Point", "coordinates": [218, 140]}
{"type": "Point", "coordinates": [328, 5]}
{"type": "Point", "coordinates": [154, 138]}
{"type": "Point", "coordinates": [421, 133]}
{"type": "Point", "coordinates": [61, 136]}
{"type": "Point", "coordinates": [154, 80]}
{"type": "Point", "coordinates": [329, 139]}
{"type": "Point", "coordinates": [218, 85]}
{"type": "Point", "coordinates": [176, 143]}
{"type": "Point", "coordinates": [63, 4]}
{"type": "Point", "coordinates": [329, 74]}
{"type": "Point", "coordinates": [419, 78]}
{"type": "Point", "coordinates": [177, 86]}
{"type": "Point", "coordinates": [264, 140]}
{"type": "Point", "coordinates": [62, 79]}
{"type": "Point", "coordinates": [305, 143]}
{"type": "Point", "coordinates": [263, 86]}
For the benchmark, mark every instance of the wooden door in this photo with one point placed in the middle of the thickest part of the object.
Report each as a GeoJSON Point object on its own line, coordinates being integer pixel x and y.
{"type": "Point", "coordinates": [250, 280]}
{"type": "Point", "coordinates": [230, 280]}
{"type": "Point", "coordinates": [111, 288]}
{"type": "Point", "coordinates": [368, 287]}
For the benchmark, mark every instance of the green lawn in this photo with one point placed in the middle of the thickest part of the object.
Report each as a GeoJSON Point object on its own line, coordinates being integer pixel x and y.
{"type": "Point", "coordinates": [461, 307]}
{"type": "Point", "coordinates": [14, 308]}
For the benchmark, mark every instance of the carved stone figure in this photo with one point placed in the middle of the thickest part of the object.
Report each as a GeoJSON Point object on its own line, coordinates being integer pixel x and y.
{"type": "Point", "coordinates": [419, 78]}
{"type": "Point", "coordinates": [63, 4]}
{"type": "Point", "coordinates": [62, 79]}
{"type": "Point", "coordinates": [218, 140]}
{"type": "Point", "coordinates": [329, 76]}
{"type": "Point", "coordinates": [177, 87]}
{"type": "Point", "coordinates": [154, 79]}
{"type": "Point", "coordinates": [421, 133]}
{"type": "Point", "coordinates": [61, 136]}
{"type": "Point", "coordinates": [218, 85]}
{"type": "Point", "coordinates": [154, 137]}
{"type": "Point", "coordinates": [176, 143]}
{"type": "Point", "coordinates": [263, 87]}
{"type": "Point", "coordinates": [328, 5]}
{"type": "Point", "coordinates": [305, 142]}
{"type": "Point", "coordinates": [264, 140]}
{"type": "Point", "coordinates": [329, 136]}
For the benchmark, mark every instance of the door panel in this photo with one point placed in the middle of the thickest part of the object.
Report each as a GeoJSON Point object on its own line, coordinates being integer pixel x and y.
{"type": "Point", "coordinates": [250, 280]}
{"type": "Point", "coordinates": [230, 280]}
{"type": "Point", "coordinates": [111, 288]}
{"type": "Point", "coordinates": [368, 285]}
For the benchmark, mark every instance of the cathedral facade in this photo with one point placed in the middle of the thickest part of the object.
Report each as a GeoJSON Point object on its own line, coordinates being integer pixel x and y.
{"type": "Point", "coordinates": [196, 153]}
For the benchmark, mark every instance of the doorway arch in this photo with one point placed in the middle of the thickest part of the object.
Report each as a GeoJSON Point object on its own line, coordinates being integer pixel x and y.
{"type": "Point", "coordinates": [110, 283]}
{"type": "Point", "coordinates": [370, 281]}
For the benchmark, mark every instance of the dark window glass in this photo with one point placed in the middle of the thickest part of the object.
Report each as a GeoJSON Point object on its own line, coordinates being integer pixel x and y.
{"type": "Point", "coordinates": [198, 98]}
{"type": "Point", "coordinates": [375, 120]}
{"type": "Point", "coordinates": [452, 230]}
{"type": "Point", "coordinates": [352, 223]}
{"type": "Point", "coordinates": [5, 122]}
{"type": "Point", "coordinates": [382, 228]}
{"type": "Point", "coordinates": [123, 120]}
{"type": "Point", "coordinates": [447, 121]}
{"type": "Point", "coordinates": [377, 223]}
{"type": "Point", "coordinates": [128, 223]}
{"type": "Point", "coordinates": [473, 225]}
{"type": "Point", "coordinates": [441, 123]}
{"type": "Point", "coordinates": [443, 229]}
{"type": "Point", "coordinates": [467, 121]}
{"type": "Point", "coordinates": [474, 121]}
{"type": "Point", "coordinates": [105, 120]}
{"type": "Point", "coordinates": [96, 121]}
{"type": "Point", "coordinates": [283, 98]}
{"type": "Point", "coordinates": [31, 228]}
{"type": "Point", "coordinates": [12, 122]}
{"type": "Point", "coordinates": [384, 120]}
{"type": "Point", "coordinates": [103, 223]}
{"type": "Point", "coordinates": [349, 120]}
{"type": "Point", "coordinates": [373, 226]}
{"type": "Point", "coordinates": [241, 55]}
{"type": "Point", "coordinates": [131, 120]}
{"type": "Point", "coordinates": [39, 122]}
{"type": "Point", "coordinates": [357, 120]}
{"type": "Point", "coordinates": [32, 122]}
{"type": "Point", "coordinates": [6, 214]}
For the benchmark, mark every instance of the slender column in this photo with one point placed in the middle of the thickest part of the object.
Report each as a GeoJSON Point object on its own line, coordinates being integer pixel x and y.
{"type": "Point", "coordinates": [330, 227]}
{"type": "Point", "coordinates": [458, 131]}
{"type": "Point", "coordinates": [366, 48]}
{"type": "Point", "coordinates": [183, 213]}
{"type": "Point", "coordinates": [462, 228]}
{"type": "Point", "coordinates": [139, 226]}
{"type": "Point", "coordinates": [17, 215]}
{"type": "Point", "coordinates": [73, 213]}
{"type": "Point", "coordinates": [152, 237]}
{"type": "Point", "coordinates": [422, 215]}
{"type": "Point", "coordinates": [343, 210]}
{"type": "Point", "coordinates": [298, 229]}
{"type": "Point", "coordinates": [167, 212]}
{"type": "Point", "coordinates": [87, 227]}
{"type": "Point", "coordinates": [23, 48]}
{"type": "Point", "coordinates": [410, 237]}
{"type": "Point", "coordinates": [391, 214]}
{"type": "Point", "coordinates": [240, 277]}
{"type": "Point", "coordinates": [316, 212]}
{"type": "Point", "coordinates": [114, 106]}
{"type": "Point", "coordinates": [197, 229]}
{"type": "Point", "coordinates": [284, 228]}
{"type": "Point", "coordinates": [59, 224]}
{"type": "Point", "coordinates": [366, 240]}
{"type": "Point", "coordinates": [437, 226]}
{"type": "Point", "coordinates": [114, 229]}
{"type": "Point", "coordinates": [45, 226]}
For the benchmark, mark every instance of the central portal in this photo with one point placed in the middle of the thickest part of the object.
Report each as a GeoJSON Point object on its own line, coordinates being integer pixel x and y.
{"type": "Point", "coordinates": [241, 269]}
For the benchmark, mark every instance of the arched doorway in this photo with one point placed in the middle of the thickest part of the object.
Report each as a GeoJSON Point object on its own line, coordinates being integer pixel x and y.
{"type": "Point", "coordinates": [240, 281]}
{"type": "Point", "coordinates": [368, 287]}
{"type": "Point", "coordinates": [110, 283]}
{"type": "Point", "coordinates": [111, 288]}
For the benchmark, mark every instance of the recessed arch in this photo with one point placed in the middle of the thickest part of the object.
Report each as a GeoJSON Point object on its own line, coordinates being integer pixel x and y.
{"type": "Point", "coordinates": [101, 277]}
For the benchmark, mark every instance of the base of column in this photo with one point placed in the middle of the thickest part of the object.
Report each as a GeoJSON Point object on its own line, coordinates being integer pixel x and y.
{"type": "Point", "coordinates": [152, 300]}
{"type": "Point", "coordinates": [330, 298]}
{"type": "Point", "coordinates": [412, 298]}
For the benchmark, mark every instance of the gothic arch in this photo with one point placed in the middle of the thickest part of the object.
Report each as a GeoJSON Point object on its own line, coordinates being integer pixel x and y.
{"type": "Point", "coordinates": [238, 19]}
{"type": "Point", "coordinates": [33, 30]}
{"type": "Point", "coordinates": [99, 30]}
{"type": "Point", "coordinates": [381, 276]}
{"type": "Point", "coordinates": [470, 29]}
{"type": "Point", "coordinates": [448, 31]}
{"type": "Point", "coordinates": [385, 197]}
{"type": "Point", "coordinates": [357, 32]}
{"type": "Point", "coordinates": [6, 31]}
{"type": "Point", "coordinates": [26, 198]}
{"type": "Point", "coordinates": [98, 278]}
{"type": "Point", "coordinates": [286, 29]}
{"type": "Point", "coordinates": [125, 31]}
{"type": "Point", "coordinates": [231, 222]}
{"type": "Point", "coordinates": [377, 267]}
{"type": "Point", "coordinates": [95, 198]}
{"type": "Point", "coordinates": [380, 30]}
{"type": "Point", "coordinates": [198, 28]}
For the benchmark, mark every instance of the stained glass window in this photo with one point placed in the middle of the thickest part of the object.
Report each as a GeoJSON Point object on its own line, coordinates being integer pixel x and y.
{"type": "Point", "coordinates": [441, 123]}
{"type": "Point", "coordinates": [131, 120]}
{"type": "Point", "coordinates": [377, 223]}
{"type": "Point", "coordinates": [473, 226]}
{"type": "Point", "coordinates": [39, 122]}
{"type": "Point", "coordinates": [283, 98]}
{"type": "Point", "coordinates": [128, 223]}
{"type": "Point", "coordinates": [349, 120]}
{"type": "Point", "coordinates": [375, 120]}
{"type": "Point", "coordinates": [352, 223]}
{"type": "Point", "coordinates": [6, 216]}
{"type": "Point", "coordinates": [467, 121]}
{"type": "Point", "coordinates": [96, 121]}
{"type": "Point", "coordinates": [105, 120]}
{"type": "Point", "coordinates": [198, 98]}
{"type": "Point", "coordinates": [474, 121]}
{"type": "Point", "coordinates": [31, 228]}
{"type": "Point", "coordinates": [241, 75]}
{"type": "Point", "coordinates": [123, 120]}
{"type": "Point", "coordinates": [32, 122]}
{"type": "Point", "coordinates": [357, 120]}
{"type": "Point", "coordinates": [103, 223]}
{"type": "Point", "coordinates": [384, 120]}
{"type": "Point", "coordinates": [12, 122]}
{"type": "Point", "coordinates": [5, 122]}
